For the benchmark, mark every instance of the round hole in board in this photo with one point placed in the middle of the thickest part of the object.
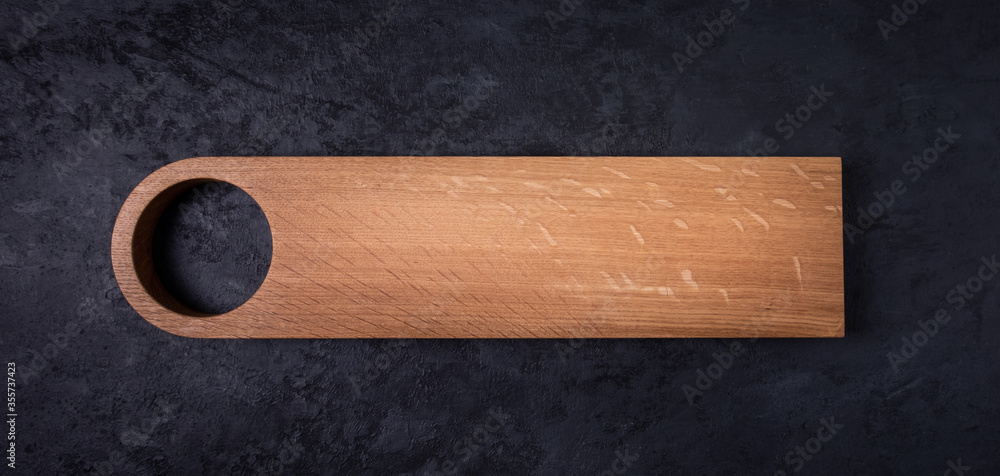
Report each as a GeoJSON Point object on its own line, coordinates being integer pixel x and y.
{"type": "Point", "coordinates": [211, 247]}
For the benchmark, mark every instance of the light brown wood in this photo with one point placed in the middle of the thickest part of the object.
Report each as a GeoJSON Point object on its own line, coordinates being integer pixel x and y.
{"type": "Point", "coordinates": [523, 247]}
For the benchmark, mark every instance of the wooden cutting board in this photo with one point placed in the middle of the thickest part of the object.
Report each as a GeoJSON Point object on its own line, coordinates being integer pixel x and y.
{"type": "Point", "coordinates": [522, 247]}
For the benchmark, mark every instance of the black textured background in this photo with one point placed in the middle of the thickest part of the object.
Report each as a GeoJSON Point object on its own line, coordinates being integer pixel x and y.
{"type": "Point", "coordinates": [101, 391]}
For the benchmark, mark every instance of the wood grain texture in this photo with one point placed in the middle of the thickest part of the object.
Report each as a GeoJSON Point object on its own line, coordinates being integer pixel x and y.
{"type": "Point", "coordinates": [522, 247]}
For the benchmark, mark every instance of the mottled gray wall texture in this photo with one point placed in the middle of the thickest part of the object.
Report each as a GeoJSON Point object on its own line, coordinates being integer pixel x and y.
{"type": "Point", "coordinates": [97, 95]}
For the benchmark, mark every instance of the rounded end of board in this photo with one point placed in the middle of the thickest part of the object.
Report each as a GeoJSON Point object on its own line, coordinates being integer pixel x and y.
{"type": "Point", "coordinates": [132, 247]}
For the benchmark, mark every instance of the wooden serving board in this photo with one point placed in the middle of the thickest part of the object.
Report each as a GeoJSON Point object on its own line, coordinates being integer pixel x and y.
{"type": "Point", "coordinates": [522, 247]}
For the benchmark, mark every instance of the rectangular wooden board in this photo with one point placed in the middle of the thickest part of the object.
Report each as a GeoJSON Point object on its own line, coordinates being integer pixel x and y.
{"type": "Point", "coordinates": [523, 247]}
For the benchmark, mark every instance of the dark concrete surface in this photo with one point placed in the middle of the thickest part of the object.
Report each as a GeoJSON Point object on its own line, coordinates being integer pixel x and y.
{"type": "Point", "coordinates": [95, 96]}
